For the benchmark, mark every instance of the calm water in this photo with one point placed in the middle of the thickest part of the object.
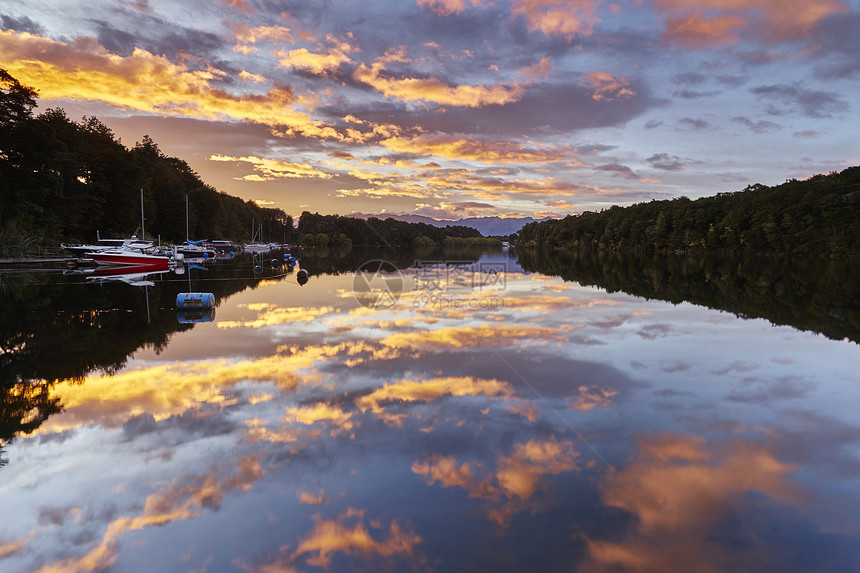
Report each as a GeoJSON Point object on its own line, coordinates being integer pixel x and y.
{"type": "Point", "coordinates": [554, 413]}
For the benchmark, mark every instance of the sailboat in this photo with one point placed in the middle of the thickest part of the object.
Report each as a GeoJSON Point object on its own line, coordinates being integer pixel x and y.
{"type": "Point", "coordinates": [193, 249]}
{"type": "Point", "coordinates": [136, 253]}
{"type": "Point", "coordinates": [257, 248]}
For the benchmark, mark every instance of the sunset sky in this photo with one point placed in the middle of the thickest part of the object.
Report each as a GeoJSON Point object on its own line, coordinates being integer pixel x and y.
{"type": "Point", "coordinates": [457, 108]}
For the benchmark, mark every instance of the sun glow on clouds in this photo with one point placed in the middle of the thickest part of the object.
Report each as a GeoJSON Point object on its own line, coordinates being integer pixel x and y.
{"type": "Point", "coordinates": [271, 169]}
{"type": "Point", "coordinates": [435, 91]}
{"type": "Point", "coordinates": [317, 62]}
{"type": "Point", "coordinates": [143, 81]}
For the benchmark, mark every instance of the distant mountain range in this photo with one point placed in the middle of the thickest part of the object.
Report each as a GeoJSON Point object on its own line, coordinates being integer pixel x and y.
{"type": "Point", "coordinates": [487, 226]}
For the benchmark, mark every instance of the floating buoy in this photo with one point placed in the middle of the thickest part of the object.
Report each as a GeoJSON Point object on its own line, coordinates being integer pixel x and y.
{"type": "Point", "coordinates": [302, 276]}
{"type": "Point", "coordinates": [276, 263]}
{"type": "Point", "coordinates": [258, 269]}
{"type": "Point", "coordinates": [195, 300]}
{"type": "Point", "coordinates": [232, 254]}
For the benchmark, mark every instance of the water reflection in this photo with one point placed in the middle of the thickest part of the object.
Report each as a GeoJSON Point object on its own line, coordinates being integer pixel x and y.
{"type": "Point", "coordinates": [565, 428]}
{"type": "Point", "coordinates": [820, 295]}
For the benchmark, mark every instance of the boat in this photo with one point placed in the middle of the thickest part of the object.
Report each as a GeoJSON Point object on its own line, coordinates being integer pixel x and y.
{"type": "Point", "coordinates": [221, 247]}
{"type": "Point", "coordinates": [195, 250]}
{"type": "Point", "coordinates": [81, 250]}
{"type": "Point", "coordinates": [126, 257]}
{"type": "Point", "coordinates": [257, 248]}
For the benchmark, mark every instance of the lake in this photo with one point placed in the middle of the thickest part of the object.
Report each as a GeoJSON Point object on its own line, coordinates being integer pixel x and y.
{"type": "Point", "coordinates": [434, 411]}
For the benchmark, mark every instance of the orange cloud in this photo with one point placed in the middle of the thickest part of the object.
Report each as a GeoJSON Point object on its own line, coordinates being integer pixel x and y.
{"type": "Point", "coordinates": [558, 17]}
{"type": "Point", "coordinates": [607, 87]}
{"type": "Point", "coordinates": [435, 91]}
{"type": "Point", "coordinates": [448, 7]}
{"type": "Point", "coordinates": [454, 146]}
{"type": "Point", "coordinates": [537, 71]}
{"type": "Point", "coordinates": [246, 35]}
{"type": "Point", "coordinates": [271, 169]}
{"type": "Point", "coordinates": [308, 498]}
{"type": "Point", "coordinates": [709, 22]}
{"type": "Point", "coordinates": [142, 81]}
{"type": "Point", "coordinates": [592, 397]}
{"type": "Point", "coordinates": [7, 549]}
{"type": "Point", "coordinates": [317, 62]}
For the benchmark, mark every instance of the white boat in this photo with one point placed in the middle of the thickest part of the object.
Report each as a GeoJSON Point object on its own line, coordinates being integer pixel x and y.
{"type": "Point", "coordinates": [194, 250]}
{"type": "Point", "coordinates": [81, 250]}
{"type": "Point", "coordinates": [257, 248]}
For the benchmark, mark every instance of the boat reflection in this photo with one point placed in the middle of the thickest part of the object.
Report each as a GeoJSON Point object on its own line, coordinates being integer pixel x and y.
{"type": "Point", "coordinates": [135, 275]}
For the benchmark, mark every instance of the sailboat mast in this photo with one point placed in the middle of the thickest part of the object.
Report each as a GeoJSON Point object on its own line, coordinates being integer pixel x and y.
{"type": "Point", "coordinates": [142, 227]}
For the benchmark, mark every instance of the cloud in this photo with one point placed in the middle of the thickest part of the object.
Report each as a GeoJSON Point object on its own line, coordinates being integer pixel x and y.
{"type": "Point", "coordinates": [558, 17]}
{"type": "Point", "coordinates": [761, 126]}
{"type": "Point", "coordinates": [666, 162]}
{"type": "Point", "coordinates": [448, 7]}
{"type": "Point", "coordinates": [693, 124]}
{"type": "Point", "coordinates": [322, 62]}
{"type": "Point", "coordinates": [432, 90]}
{"type": "Point", "coordinates": [144, 82]}
{"type": "Point", "coordinates": [12, 547]}
{"type": "Point", "coordinates": [811, 103]}
{"type": "Point", "coordinates": [606, 87]}
{"type": "Point", "coordinates": [454, 146]}
{"type": "Point", "coordinates": [270, 169]}
{"type": "Point", "coordinates": [723, 22]}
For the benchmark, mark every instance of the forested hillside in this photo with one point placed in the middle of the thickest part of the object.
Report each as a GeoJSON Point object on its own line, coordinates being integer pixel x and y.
{"type": "Point", "coordinates": [63, 180]}
{"type": "Point", "coordinates": [337, 230]}
{"type": "Point", "coordinates": [820, 215]}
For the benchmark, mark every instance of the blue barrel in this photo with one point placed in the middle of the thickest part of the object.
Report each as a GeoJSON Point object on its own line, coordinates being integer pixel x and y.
{"type": "Point", "coordinates": [195, 316]}
{"type": "Point", "coordinates": [195, 300]}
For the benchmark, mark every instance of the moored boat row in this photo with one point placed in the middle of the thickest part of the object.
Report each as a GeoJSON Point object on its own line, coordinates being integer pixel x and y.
{"type": "Point", "coordinates": [136, 251]}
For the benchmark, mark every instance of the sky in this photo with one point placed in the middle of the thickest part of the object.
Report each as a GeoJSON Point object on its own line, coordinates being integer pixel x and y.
{"type": "Point", "coordinates": [457, 108]}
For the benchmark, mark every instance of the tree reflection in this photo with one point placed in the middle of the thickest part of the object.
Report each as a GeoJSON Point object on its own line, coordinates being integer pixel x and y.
{"type": "Point", "coordinates": [23, 408]}
{"type": "Point", "coordinates": [818, 295]}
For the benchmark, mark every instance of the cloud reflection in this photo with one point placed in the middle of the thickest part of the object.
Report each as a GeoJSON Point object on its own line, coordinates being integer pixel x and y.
{"type": "Point", "coordinates": [679, 490]}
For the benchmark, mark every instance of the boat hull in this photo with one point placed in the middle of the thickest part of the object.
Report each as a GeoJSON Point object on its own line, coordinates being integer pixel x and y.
{"type": "Point", "coordinates": [129, 259]}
